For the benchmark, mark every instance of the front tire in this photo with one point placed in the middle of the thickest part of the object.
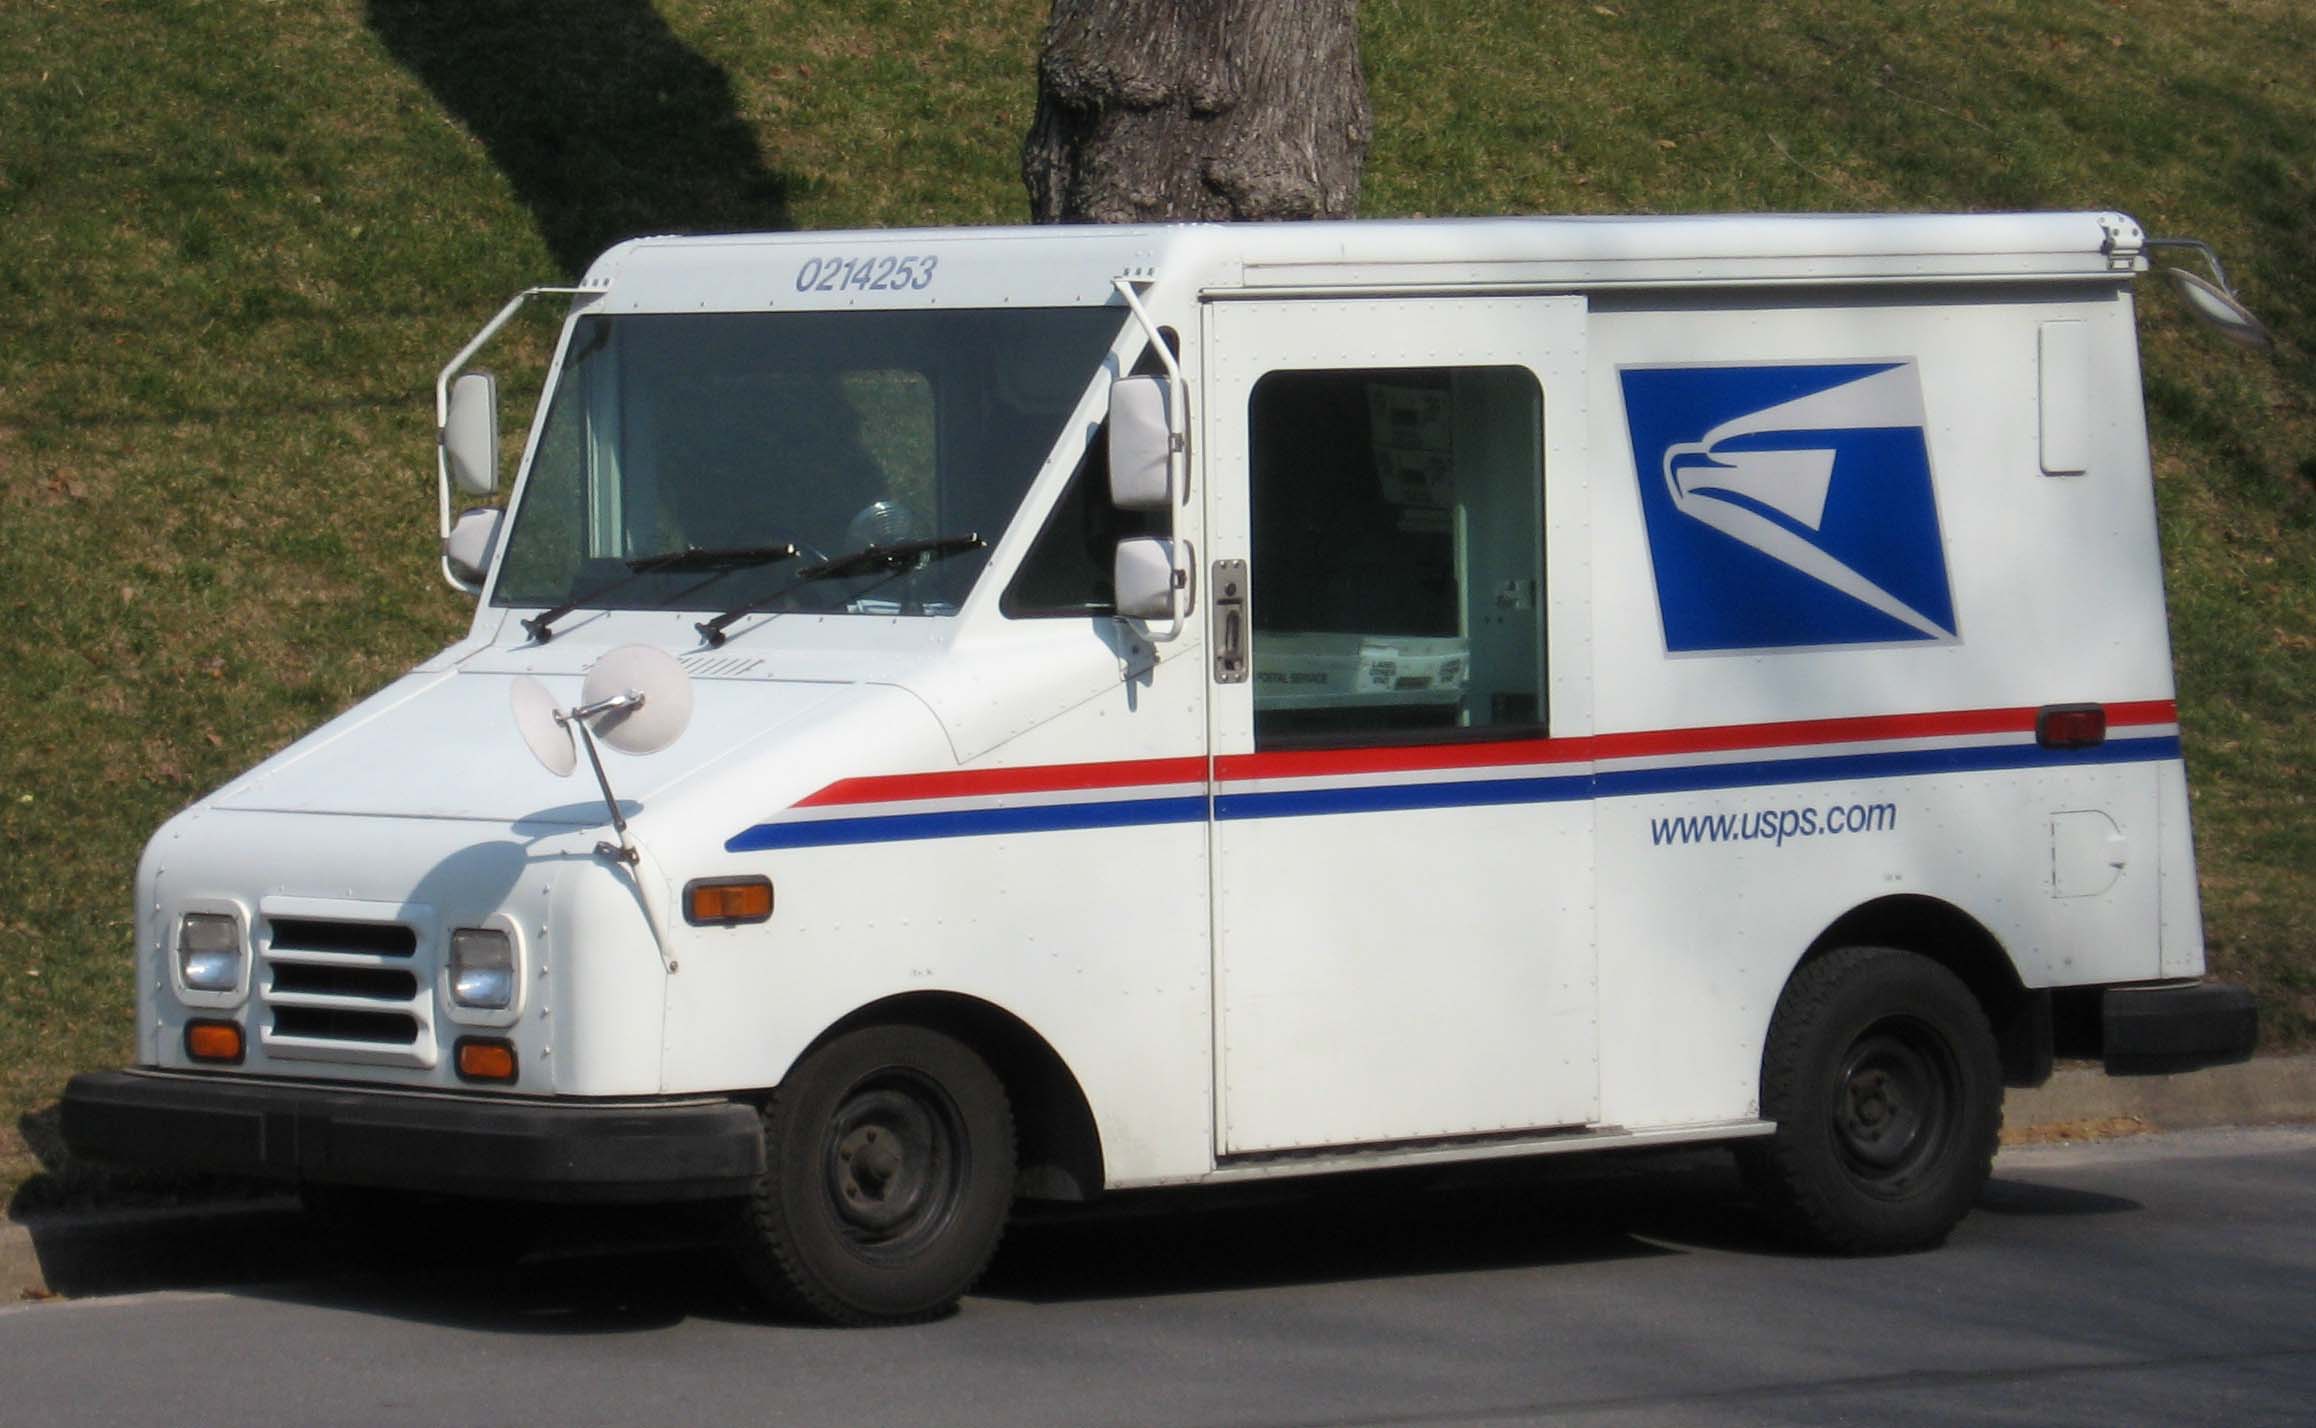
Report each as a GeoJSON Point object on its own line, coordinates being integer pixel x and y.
{"type": "Point", "coordinates": [890, 1154]}
{"type": "Point", "coordinates": [1882, 1075]}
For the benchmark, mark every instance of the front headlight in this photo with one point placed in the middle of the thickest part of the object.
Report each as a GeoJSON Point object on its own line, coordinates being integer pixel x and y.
{"type": "Point", "coordinates": [209, 951]}
{"type": "Point", "coordinates": [482, 968]}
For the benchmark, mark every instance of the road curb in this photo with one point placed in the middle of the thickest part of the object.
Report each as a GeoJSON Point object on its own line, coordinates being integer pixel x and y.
{"type": "Point", "coordinates": [2265, 1091]}
{"type": "Point", "coordinates": [162, 1247]}
{"type": "Point", "coordinates": [115, 1251]}
{"type": "Point", "coordinates": [20, 1274]}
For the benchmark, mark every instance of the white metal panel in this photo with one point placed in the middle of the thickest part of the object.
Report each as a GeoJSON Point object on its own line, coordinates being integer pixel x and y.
{"type": "Point", "coordinates": [1698, 937]}
{"type": "Point", "coordinates": [2067, 395]}
{"type": "Point", "coordinates": [1069, 265]}
{"type": "Point", "coordinates": [2057, 585]}
{"type": "Point", "coordinates": [430, 875]}
{"type": "Point", "coordinates": [891, 268]}
{"type": "Point", "coordinates": [460, 730]}
{"type": "Point", "coordinates": [2182, 899]}
{"type": "Point", "coordinates": [2057, 599]}
{"type": "Point", "coordinates": [940, 877]}
{"type": "Point", "coordinates": [2088, 853]}
{"type": "Point", "coordinates": [1396, 975]}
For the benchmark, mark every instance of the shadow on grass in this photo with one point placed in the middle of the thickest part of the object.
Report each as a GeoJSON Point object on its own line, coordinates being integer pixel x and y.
{"type": "Point", "coordinates": [607, 124]}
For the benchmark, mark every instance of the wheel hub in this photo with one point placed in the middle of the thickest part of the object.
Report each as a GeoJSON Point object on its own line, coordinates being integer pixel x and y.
{"type": "Point", "coordinates": [891, 1165]}
{"type": "Point", "coordinates": [1892, 1105]}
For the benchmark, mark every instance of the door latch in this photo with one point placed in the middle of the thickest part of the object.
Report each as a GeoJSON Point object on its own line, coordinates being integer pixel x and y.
{"type": "Point", "coordinates": [1229, 587]}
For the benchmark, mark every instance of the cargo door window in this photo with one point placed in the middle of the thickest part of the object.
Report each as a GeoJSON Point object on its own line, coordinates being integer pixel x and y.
{"type": "Point", "coordinates": [1397, 556]}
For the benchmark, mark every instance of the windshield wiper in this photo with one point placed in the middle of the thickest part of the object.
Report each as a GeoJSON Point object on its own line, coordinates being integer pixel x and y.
{"type": "Point", "coordinates": [691, 557]}
{"type": "Point", "coordinates": [896, 559]}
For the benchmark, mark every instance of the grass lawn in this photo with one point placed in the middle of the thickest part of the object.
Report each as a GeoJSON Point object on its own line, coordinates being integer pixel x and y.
{"type": "Point", "coordinates": [237, 237]}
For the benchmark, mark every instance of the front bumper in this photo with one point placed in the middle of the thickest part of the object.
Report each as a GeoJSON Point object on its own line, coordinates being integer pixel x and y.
{"type": "Point", "coordinates": [2152, 1031]}
{"type": "Point", "coordinates": [456, 1145]}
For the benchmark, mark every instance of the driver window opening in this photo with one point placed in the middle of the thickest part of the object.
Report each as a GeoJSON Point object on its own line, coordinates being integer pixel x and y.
{"type": "Point", "coordinates": [1397, 556]}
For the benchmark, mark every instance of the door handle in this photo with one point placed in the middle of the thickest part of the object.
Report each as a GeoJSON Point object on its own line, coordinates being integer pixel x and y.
{"type": "Point", "coordinates": [1228, 584]}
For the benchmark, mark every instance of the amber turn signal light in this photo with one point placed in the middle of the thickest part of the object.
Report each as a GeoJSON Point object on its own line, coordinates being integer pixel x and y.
{"type": "Point", "coordinates": [726, 902]}
{"type": "Point", "coordinates": [214, 1041]}
{"type": "Point", "coordinates": [486, 1059]}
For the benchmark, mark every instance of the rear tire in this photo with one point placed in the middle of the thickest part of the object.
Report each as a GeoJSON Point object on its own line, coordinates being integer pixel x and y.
{"type": "Point", "coordinates": [1882, 1075]}
{"type": "Point", "coordinates": [891, 1159]}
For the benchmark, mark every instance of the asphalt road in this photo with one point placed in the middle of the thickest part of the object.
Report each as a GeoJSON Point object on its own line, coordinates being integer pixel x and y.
{"type": "Point", "coordinates": [2165, 1279]}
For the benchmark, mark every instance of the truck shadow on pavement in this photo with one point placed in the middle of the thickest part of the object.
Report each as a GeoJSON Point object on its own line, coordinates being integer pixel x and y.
{"type": "Point", "coordinates": [606, 123]}
{"type": "Point", "coordinates": [624, 1271]}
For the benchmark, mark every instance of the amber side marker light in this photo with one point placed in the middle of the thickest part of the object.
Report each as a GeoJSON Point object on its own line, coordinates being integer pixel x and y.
{"type": "Point", "coordinates": [486, 1059]}
{"type": "Point", "coordinates": [727, 902]}
{"type": "Point", "coordinates": [218, 1041]}
{"type": "Point", "coordinates": [2071, 726]}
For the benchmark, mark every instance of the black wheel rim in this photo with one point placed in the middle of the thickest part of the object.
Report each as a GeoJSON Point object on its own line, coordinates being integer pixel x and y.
{"type": "Point", "coordinates": [894, 1164]}
{"type": "Point", "coordinates": [1894, 1105]}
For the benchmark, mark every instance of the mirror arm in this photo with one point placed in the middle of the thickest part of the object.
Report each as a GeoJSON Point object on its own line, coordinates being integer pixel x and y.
{"type": "Point", "coordinates": [2197, 246]}
{"type": "Point", "coordinates": [442, 382]}
{"type": "Point", "coordinates": [1178, 409]}
{"type": "Point", "coordinates": [626, 853]}
{"type": "Point", "coordinates": [1186, 581]}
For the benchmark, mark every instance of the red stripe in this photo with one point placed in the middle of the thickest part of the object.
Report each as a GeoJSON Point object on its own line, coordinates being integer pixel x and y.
{"type": "Point", "coordinates": [1717, 738]}
{"type": "Point", "coordinates": [2144, 711]}
{"type": "Point", "coordinates": [1412, 758]}
{"type": "Point", "coordinates": [1403, 758]}
{"type": "Point", "coordinates": [1045, 778]}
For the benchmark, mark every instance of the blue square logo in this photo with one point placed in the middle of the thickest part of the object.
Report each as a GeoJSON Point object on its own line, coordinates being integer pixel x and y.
{"type": "Point", "coordinates": [1789, 506]}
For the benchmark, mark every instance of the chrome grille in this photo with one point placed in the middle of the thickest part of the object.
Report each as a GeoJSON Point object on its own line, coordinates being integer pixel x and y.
{"type": "Point", "coordinates": [346, 990]}
{"type": "Point", "coordinates": [369, 983]}
{"type": "Point", "coordinates": [330, 1024]}
{"type": "Point", "coordinates": [312, 934]}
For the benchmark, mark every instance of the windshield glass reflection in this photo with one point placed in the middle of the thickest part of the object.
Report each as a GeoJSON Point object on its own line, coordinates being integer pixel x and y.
{"type": "Point", "coordinates": [828, 431]}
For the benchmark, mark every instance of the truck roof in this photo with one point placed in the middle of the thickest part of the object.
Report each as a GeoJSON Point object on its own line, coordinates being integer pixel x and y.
{"type": "Point", "coordinates": [1065, 265]}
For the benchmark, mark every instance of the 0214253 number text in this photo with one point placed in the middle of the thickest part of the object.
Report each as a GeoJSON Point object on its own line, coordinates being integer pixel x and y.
{"type": "Point", "coordinates": [889, 273]}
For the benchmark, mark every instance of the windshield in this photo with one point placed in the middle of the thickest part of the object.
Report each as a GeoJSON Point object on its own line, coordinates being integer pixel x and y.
{"type": "Point", "coordinates": [830, 431]}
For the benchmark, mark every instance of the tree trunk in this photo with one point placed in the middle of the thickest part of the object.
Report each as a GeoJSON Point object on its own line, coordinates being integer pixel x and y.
{"type": "Point", "coordinates": [1197, 109]}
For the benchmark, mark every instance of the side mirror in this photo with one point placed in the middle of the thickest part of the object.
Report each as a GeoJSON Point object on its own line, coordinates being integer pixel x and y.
{"type": "Point", "coordinates": [1142, 445]}
{"type": "Point", "coordinates": [467, 550]}
{"type": "Point", "coordinates": [1151, 577]}
{"type": "Point", "coordinates": [2220, 310]}
{"type": "Point", "coordinates": [470, 434]}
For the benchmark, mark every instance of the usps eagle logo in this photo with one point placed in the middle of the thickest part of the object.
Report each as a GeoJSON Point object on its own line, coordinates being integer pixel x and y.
{"type": "Point", "coordinates": [1789, 506]}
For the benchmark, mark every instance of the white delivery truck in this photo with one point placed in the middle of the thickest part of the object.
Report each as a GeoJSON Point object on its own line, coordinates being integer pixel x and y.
{"type": "Point", "coordinates": [1020, 713]}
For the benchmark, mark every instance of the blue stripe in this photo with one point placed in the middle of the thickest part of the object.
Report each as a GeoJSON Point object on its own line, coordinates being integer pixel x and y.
{"type": "Point", "coordinates": [1301, 802]}
{"type": "Point", "coordinates": [1472, 793]}
{"type": "Point", "coordinates": [1770, 773]}
{"type": "Point", "coordinates": [968, 823]}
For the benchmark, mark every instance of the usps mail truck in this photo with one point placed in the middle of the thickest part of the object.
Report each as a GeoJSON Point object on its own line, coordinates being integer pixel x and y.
{"type": "Point", "coordinates": [960, 716]}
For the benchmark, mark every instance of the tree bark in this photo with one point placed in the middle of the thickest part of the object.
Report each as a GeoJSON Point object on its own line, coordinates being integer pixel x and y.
{"type": "Point", "coordinates": [1153, 110]}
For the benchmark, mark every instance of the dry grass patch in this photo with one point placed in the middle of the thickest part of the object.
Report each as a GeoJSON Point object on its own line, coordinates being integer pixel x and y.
{"type": "Point", "coordinates": [2075, 1132]}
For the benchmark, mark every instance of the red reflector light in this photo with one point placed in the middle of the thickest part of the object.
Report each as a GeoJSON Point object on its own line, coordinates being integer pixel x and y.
{"type": "Point", "coordinates": [481, 1059]}
{"type": "Point", "coordinates": [2071, 726]}
{"type": "Point", "coordinates": [213, 1041]}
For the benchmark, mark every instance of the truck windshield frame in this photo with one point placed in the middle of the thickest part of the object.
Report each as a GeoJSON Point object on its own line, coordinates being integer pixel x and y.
{"type": "Point", "coordinates": [829, 430]}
